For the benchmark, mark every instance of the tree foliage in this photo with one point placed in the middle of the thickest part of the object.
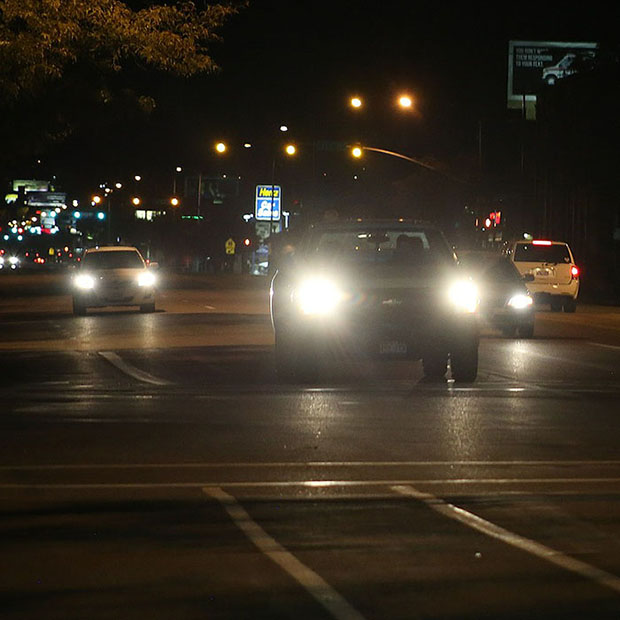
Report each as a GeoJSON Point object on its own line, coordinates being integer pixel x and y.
{"type": "Point", "coordinates": [41, 39]}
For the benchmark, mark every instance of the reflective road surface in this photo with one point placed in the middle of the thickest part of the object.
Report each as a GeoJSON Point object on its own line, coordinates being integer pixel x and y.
{"type": "Point", "coordinates": [152, 467]}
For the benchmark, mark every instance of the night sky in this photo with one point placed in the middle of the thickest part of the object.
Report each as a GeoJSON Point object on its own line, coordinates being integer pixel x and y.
{"type": "Point", "coordinates": [297, 62]}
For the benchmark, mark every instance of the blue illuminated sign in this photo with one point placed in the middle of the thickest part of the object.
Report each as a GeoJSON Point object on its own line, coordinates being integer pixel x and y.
{"type": "Point", "coordinates": [268, 201]}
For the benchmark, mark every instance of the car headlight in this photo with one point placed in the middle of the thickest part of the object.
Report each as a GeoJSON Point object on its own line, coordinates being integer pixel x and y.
{"type": "Point", "coordinates": [520, 301]}
{"type": "Point", "coordinates": [464, 297]}
{"type": "Point", "coordinates": [84, 281]}
{"type": "Point", "coordinates": [13, 260]}
{"type": "Point", "coordinates": [146, 279]}
{"type": "Point", "coordinates": [318, 296]}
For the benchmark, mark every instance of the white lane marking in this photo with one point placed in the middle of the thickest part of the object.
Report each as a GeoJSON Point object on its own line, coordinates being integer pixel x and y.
{"type": "Point", "coordinates": [209, 307]}
{"type": "Point", "coordinates": [307, 483]}
{"type": "Point", "coordinates": [322, 592]}
{"type": "Point", "coordinates": [605, 346]}
{"type": "Point", "coordinates": [132, 371]}
{"type": "Point", "coordinates": [306, 464]}
{"type": "Point", "coordinates": [543, 552]}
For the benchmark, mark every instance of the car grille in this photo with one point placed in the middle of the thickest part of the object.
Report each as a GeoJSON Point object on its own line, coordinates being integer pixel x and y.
{"type": "Point", "coordinates": [393, 306]}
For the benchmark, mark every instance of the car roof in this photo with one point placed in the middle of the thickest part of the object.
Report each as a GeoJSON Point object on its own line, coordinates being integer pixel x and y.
{"type": "Point", "coordinates": [365, 223]}
{"type": "Point", "coordinates": [113, 248]}
{"type": "Point", "coordinates": [531, 241]}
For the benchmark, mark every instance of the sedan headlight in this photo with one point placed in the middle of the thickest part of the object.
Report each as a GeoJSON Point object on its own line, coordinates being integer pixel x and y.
{"type": "Point", "coordinates": [146, 279]}
{"type": "Point", "coordinates": [318, 296]}
{"type": "Point", "coordinates": [464, 297]}
{"type": "Point", "coordinates": [84, 282]}
{"type": "Point", "coordinates": [13, 261]}
{"type": "Point", "coordinates": [520, 301]}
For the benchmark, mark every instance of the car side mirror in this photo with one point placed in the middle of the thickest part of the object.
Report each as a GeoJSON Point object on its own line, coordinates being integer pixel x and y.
{"type": "Point", "coordinates": [528, 277]}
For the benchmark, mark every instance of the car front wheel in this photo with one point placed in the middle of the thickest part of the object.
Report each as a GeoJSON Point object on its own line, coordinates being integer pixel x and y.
{"type": "Point", "coordinates": [294, 364]}
{"type": "Point", "coordinates": [464, 361]}
{"type": "Point", "coordinates": [79, 309]}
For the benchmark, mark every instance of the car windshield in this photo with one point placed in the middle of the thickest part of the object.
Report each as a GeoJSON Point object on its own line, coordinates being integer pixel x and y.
{"type": "Point", "coordinates": [535, 253]}
{"type": "Point", "coordinates": [384, 246]}
{"type": "Point", "coordinates": [123, 259]}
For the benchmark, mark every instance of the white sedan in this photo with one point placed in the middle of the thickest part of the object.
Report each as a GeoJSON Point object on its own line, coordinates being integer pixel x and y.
{"type": "Point", "coordinates": [114, 276]}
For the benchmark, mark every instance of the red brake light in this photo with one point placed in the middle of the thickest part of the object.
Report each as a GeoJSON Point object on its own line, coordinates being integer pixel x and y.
{"type": "Point", "coordinates": [540, 242]}
{"type": "Point", "coordinates": [574, 271]}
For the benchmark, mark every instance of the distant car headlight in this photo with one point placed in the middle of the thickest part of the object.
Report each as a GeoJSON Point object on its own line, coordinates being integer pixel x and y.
{"type": "Point", "coordinates": [464, 296]}
{"type": "Point", "coordinates": [146, 279]}
{"type": "Point", "coordinates": [520, 301]}
{"type": "Point", "coordinates": [13, 261]}
{"type": "Point", "coordinates": [84, 282]}
{"type": "Point", "coordinates": [318, 296]}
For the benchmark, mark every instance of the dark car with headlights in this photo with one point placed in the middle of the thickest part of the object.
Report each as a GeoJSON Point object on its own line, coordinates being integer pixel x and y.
{"type": "Point", "coordinates": [374, 288]}
{"type": "Point", "coordinates": [113, 276]}
{"type": "Point", "coordinates": [505, 302]}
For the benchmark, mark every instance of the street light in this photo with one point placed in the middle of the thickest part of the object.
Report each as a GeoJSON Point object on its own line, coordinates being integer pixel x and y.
{"type": "Point", "coordinates": [356, 102]}
{"type": "Point", "coordinates": [220, 147]}
{"type": "Point", "coordinates": [96, 200]}
{"type": "Point", "coordinates": [136, 201]}
{"type": "Point", "coordinates": [174, 201]}
{"type": "Point", "coordinates": [357, 152]}
{"type": "Point", "coordinates": [290, 149]}
{"type": "Point", "coordinates": [405, 102]}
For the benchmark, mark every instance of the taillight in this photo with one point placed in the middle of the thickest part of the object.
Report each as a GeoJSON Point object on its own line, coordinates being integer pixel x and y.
{"type": "Point", "coordinates": [574, 272]}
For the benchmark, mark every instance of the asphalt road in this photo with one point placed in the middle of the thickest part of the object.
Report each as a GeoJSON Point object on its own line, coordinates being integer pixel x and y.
{"type": "Point", "coordinates": [152, 466]}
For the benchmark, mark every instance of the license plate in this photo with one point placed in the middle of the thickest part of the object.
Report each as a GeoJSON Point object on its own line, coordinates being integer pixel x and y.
{"type": "Point", "coordinates": [393, 347]}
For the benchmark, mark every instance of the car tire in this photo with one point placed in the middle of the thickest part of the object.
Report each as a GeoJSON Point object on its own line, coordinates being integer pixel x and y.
{"type": "Point", "coordinates": [556, 304]}
{"type": "Point", "coordinates": [294, 364]}
{"type": "Point", "coordinates": [79, 309]}
{"type": "Point", "coordinates": [526, 330]}
{"type": "Point", "coordinates": [147, 308]}
{"type": "Point", "coordinates": [570, 305]}
{"type": "Point", "coordinates": [464, 361]}
{"type": "Point", "coordinates": [435, 366]}
{"type": "Point", "coordinates": [509, 331]}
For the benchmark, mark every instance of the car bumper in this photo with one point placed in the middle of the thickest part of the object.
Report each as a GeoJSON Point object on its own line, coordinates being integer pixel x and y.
{"type": "Point", "coordinates": [542, 290]}
{"type": "Point", "coordinates": [385, 340]}
{"type": "Point", "coordinates": [126, 297]}
{"type": "Point", "coordinates": [508, 317]}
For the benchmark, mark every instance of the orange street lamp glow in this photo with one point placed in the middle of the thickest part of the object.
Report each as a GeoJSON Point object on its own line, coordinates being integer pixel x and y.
{"type": "Point", "coordinates": [356, 102]}
{"type": "Point", "coordinates": [357, 151]}
{"type": "Point", "coordinates": [405, 101]}
{"type": "Point", "coordinates": [136, 201]}
{"type": "Point", "coordinates": [290, 149]}
{"type": "Point", "coordinates": [174, 201]}
{"type": "Point", "coordinates": [96, 199]}
{"type": "Point", "coordinates": [220, 147]}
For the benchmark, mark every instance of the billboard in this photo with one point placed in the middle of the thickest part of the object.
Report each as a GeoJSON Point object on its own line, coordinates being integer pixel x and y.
{"type": "Point", "coordinates": [535, 64]}
{"type": "Point", "coordinates": [268, 201]}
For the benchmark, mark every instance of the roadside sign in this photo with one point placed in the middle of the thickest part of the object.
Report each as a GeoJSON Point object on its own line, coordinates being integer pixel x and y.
{"type": "Point", "coordinates": [230, 246]}
{"type": "Point", "coordinates": [267, 204]}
